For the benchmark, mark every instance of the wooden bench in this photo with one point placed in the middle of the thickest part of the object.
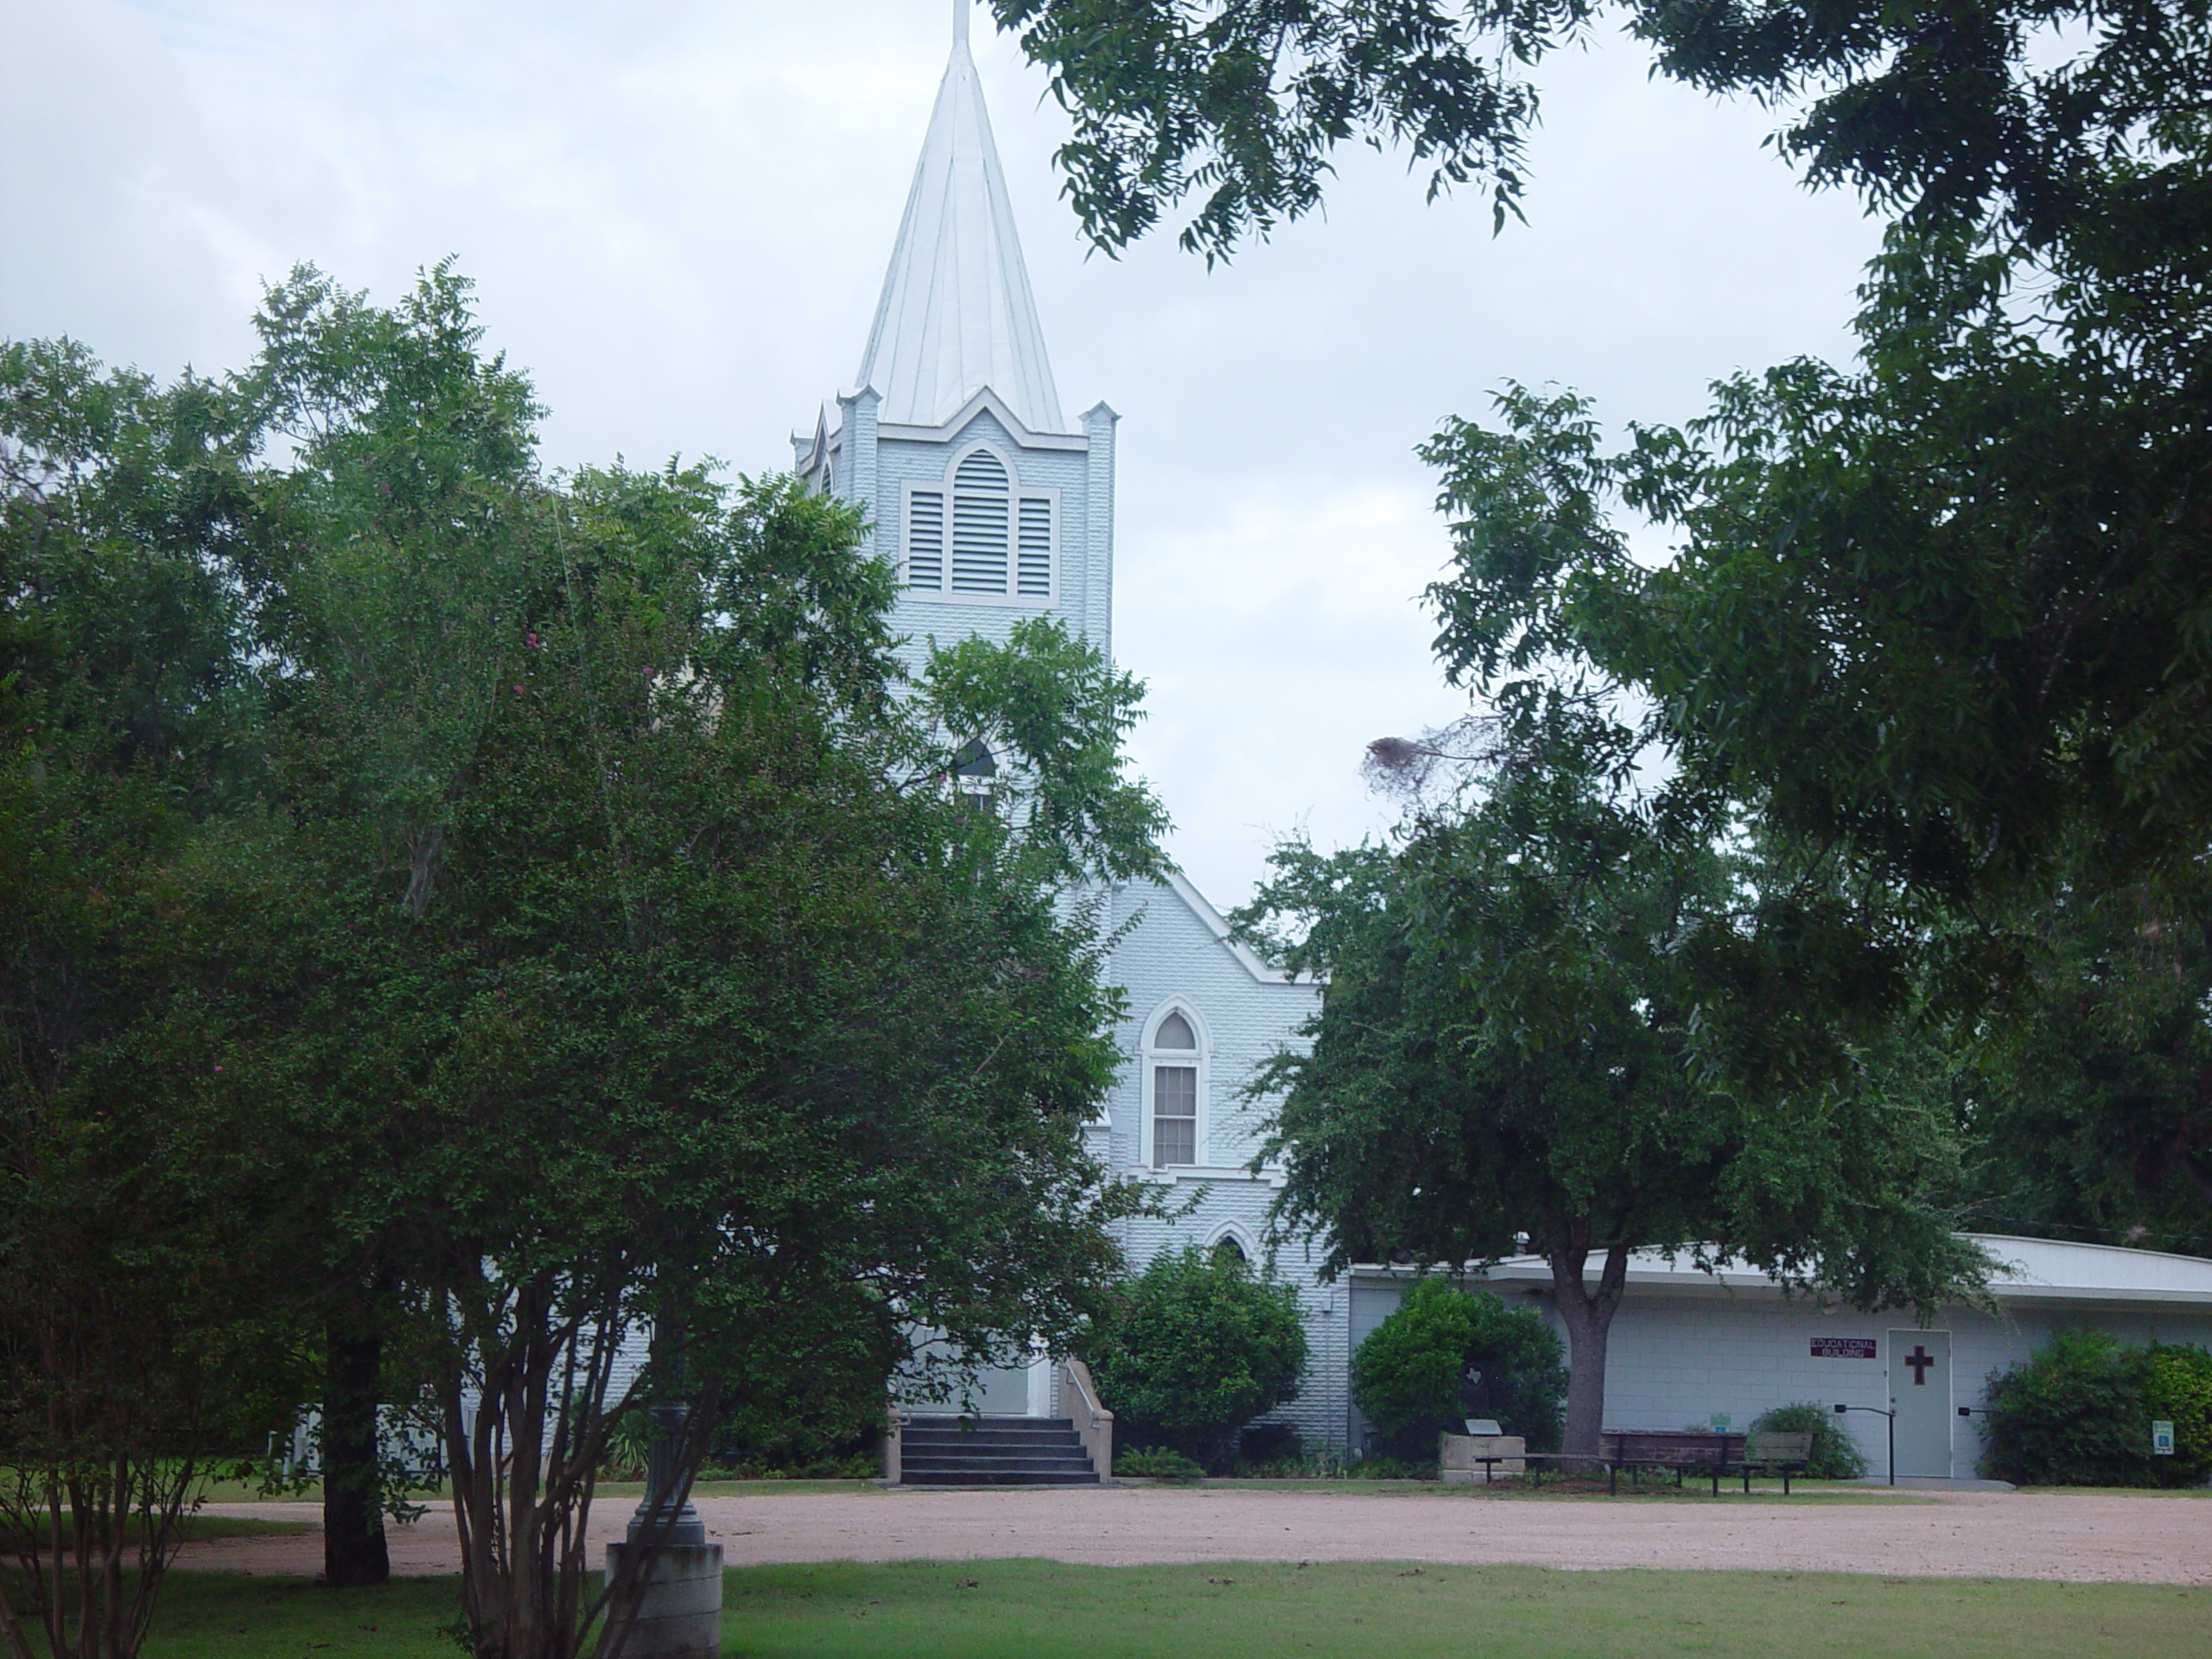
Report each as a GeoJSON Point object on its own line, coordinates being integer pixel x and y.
{"type": "Point", "coordinates": [1712, 1453]}
{"type": "Point", "coordinates": [1783, 1452]}
{"type": "Point", "coordinates": [1680, 1450]}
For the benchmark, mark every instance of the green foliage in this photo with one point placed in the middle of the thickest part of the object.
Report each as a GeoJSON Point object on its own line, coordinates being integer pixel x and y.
{"type": "Point", "coordinates": [2076, 1413]}
{"type": "Point", "coordinates": [1406, 1376]}
{"type": "Point", "coordinates": [1199, 1345]}
{"type": "Point", "coordinates": [1052, 701]}
{"type": "Point", "coordinates": [492, 913]}
{"type": "Point", "coordinates": [1836, 1455]}
{"type": "Point", "coordinates": [1933, 622]}
{"type": "Point", "coordinates": [1513, 1051]}
{"type": "Point", "coordinates": [146, 1324]}
{"type": "Point", "coordinates": [1928, 624]}
{"type": "Point", "coordinates": [2087, 1115]}
{"type": "Point", "coordinates": [1242, 104]}
{"type": "Point", "coordinates": [1157, 1462]}
{"type": "Point", "coordinates": [2179, 1391]}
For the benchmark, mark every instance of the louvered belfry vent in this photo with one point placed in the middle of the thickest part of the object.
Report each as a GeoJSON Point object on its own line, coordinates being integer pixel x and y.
{"type": "Point", "coordinates": [981, 509]}
{"type": "Point", "coordinates": [1034, 575]}
{"type": "Point", "coordinates": [980, 535]}
{"type": "Point", "coordinates": [925, 540]}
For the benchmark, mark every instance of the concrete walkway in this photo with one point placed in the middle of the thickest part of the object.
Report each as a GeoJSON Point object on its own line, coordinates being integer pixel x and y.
{"type": "Point", "coordinates": [2151, 1539]}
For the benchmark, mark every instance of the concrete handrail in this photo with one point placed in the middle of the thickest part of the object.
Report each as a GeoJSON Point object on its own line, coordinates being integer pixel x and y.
{"type": "Point", "coordinates": [1094, 1424]}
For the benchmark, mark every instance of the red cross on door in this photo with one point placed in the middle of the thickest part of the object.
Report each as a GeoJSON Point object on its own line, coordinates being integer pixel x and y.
{"type": "Point", "coordinates": [1920, 1359]}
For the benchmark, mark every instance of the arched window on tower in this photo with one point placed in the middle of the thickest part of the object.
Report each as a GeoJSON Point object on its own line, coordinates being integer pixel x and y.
{"type": "Point", "coordinates": [1174, 1092]}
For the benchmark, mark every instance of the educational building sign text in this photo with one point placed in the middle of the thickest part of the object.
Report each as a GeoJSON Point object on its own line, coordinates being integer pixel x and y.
{"type": "Point", "coordinates": [1843, 1347]}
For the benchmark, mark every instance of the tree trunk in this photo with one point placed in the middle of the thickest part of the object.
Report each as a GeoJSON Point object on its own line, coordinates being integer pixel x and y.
{"type": "Point", "coordinates": [354, 1552]}
{"type": "Point", "coordinates": [1589, 1320]}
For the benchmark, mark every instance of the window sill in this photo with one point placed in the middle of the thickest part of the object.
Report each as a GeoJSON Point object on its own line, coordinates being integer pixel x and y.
{"type": "Point", "coordinates": [1170, 1175]}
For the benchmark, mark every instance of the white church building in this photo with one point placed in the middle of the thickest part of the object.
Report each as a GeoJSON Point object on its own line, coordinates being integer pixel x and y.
{"type": "Point", "coordinates": [994, 506]}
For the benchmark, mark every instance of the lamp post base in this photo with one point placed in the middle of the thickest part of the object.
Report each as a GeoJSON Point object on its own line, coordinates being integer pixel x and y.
{"type": "Point", "coordinates": [680, 1615]}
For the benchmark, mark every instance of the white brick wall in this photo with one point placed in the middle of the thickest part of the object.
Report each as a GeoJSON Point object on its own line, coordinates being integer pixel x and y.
{"type": "Point", "coordinates": [1677, 1360]}
{"type": "Point", "coordinates": [1175, 951]}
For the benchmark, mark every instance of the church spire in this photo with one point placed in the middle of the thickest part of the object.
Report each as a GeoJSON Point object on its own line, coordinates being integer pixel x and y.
{"type": "Point", "coordinates": [957, 315]}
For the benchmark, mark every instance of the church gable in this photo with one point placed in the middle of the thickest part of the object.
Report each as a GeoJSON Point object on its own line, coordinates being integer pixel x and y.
{"type": "Point", "coordinates": [1177, 962]}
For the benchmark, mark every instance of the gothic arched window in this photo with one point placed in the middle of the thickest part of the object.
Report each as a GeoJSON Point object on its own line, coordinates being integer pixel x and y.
{"type": "Point", "coordinates": [1174, 1106]}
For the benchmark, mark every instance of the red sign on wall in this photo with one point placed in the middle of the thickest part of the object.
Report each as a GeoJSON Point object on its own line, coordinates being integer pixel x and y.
{"type": "Point", "coordinates": [1843, 1347]}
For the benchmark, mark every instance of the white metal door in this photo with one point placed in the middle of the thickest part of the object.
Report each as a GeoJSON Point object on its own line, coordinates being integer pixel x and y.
{"type": "Point", "coordinates": [1920, 1393]}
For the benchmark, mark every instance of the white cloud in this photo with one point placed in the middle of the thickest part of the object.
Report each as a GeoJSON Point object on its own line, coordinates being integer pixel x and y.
{"type": "Point", "coordinates": [677, 215]}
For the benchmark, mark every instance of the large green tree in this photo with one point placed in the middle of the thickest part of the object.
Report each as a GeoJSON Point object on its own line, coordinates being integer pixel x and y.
{"type": "Point", "coordinates": [1941, 608]}
{"type": "Point", "coordinates": [574, 937]}
{"type": "Point", "coordinates": [655, 981]}
{"type": "Point", "coordinates": [1934, 620]}
{"type": "Point", "coordinates": [1507, 1057]}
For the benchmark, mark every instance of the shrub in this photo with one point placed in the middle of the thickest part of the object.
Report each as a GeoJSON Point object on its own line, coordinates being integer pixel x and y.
{"type": "Point", "coordinates": [1156, 1462]}
{"type": "Point", "coordinates": [1835, 1455]}
{"type": "Point", "coordinates": [1199, 1345]}
{"type": "Point", "coordinates": [1407, 1374]}
{"type": "Point", "coordinates": [2180, 1391]}
{"type": "Point", "coordinates": [2076, 1414]}
{"type": "Point", "coordinates": [1271, 1443]}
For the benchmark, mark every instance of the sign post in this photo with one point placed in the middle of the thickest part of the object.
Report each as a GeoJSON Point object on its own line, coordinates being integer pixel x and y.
{"type": "Point", "coordinates": [2162, 1439]}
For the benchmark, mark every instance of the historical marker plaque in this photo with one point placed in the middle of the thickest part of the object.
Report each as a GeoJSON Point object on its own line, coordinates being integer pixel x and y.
{"type": "Point", "coordinates": [1843, 1348]}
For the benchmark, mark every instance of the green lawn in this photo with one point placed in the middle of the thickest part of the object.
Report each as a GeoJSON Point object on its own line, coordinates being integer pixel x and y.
{"type": "Point", "coordinates": [1040, 1610]}
{"type": "Point", "coordinates": [198, 1528]}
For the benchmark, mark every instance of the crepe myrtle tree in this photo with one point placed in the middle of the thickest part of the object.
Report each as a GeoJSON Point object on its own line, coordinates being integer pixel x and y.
{"type": "Point", "coordinates": [616, 959]}
{"type": "Point", "coordinates": [741, 1013]}
{"type": "Point", "coordinates": [1506, 1057]}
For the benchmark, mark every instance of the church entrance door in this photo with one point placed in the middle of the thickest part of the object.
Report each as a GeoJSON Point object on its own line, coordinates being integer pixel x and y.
{"type": "Point", "coordinates": [1003, 1391]}
{"type": "Point", "coordinates": [1920, 1393]}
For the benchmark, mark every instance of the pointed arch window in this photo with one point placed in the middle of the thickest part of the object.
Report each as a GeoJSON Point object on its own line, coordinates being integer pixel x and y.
{"type": "Point", "coordinates": [980, 535]}
{"type": "Point", "coordinates": [1174, 1104]}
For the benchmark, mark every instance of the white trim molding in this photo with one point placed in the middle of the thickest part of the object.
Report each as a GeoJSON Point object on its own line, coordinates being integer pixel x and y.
{"type": "Point", "coordinates": [1241, 1235]}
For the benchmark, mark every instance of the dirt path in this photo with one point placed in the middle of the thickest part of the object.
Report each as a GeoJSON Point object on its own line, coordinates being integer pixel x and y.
{"type": "Point", "coordinates": [1963, 1534]}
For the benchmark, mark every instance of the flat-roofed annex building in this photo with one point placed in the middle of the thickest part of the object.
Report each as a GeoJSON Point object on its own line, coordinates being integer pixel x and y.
{"type": "Point", "coordinates": [1688, 1345]}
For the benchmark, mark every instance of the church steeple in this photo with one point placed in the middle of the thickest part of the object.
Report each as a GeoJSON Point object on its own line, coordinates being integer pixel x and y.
{"type": "Point", "coordinates": [957, 315]}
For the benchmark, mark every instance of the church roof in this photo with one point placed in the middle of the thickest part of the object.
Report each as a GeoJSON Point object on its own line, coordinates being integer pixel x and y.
{"type": "Point", "coordinates": [957, 315]}
{"type": "Point", "coordinates": [2027, 1270]}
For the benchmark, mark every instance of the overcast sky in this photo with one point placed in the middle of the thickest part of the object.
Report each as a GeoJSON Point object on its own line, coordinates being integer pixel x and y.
{"type": "Point", "coordinates": [678, 213]}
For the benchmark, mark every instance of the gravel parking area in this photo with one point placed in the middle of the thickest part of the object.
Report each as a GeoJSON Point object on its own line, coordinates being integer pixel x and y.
{"type": "Point", "coordinates": [1948, 1535]}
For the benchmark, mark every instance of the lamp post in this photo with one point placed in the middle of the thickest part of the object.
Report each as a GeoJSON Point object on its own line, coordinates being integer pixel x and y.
{"type": "Point", "coordinates": [658, 1508]}
{"type": "Point", "coordinates": [679, 1579]}
{"type": "Point", "coordinates": [1892, 1416]}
